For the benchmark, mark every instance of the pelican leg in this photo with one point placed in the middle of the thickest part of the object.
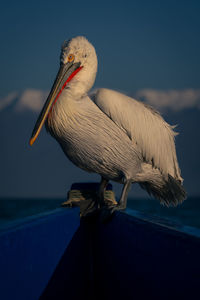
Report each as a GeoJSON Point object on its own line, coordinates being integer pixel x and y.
{"type": "Point", "coordinates": [108, 212]}
{"type": "Point", "coordinates": [101, 191]}
{"type": "Point", "coordinates": [90, 207]}
{"type": "Point", "coordinates": [123, 199]}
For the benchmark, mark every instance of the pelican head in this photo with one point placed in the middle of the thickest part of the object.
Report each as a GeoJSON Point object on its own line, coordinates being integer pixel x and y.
{"type": "Point", "coordinates": [77, 72]}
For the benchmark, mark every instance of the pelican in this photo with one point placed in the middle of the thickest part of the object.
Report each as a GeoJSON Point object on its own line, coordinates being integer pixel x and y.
{"type": "Point", "coordinates": [109, 133]}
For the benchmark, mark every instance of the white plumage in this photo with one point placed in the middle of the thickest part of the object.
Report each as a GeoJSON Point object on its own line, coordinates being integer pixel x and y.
{"type": "Point", "coordinates": [112, 134]}
{"type": "Point", "coordinates": [153, 137]}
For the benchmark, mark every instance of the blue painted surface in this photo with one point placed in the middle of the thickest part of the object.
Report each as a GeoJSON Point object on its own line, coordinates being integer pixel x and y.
{"type": "Point", "coordinates": [30, 252]}
{"type": "Point", "coordinates": [135, 257]}
{"type": "Point", "coordinates": [55, 256]}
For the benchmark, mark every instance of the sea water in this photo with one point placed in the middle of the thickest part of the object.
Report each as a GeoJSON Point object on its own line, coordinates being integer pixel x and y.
{"type": "Point", "coordinates": [188, 213]}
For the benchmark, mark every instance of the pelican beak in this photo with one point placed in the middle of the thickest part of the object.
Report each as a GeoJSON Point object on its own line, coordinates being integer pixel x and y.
{"type": "Point", "coordinates": [65, 74]}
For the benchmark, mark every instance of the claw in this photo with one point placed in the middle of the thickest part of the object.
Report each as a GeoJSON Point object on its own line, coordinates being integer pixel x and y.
{"type": "Point", "coordinates": [89, 208]}
{"type": "Point", "coordinates": [71, 203]}
{"type": "Point", "coordinates": [107, 212]}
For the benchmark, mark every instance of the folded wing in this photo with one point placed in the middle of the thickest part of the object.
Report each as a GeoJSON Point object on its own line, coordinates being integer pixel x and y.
{"type": "Point", "coordinates": [153, 137]}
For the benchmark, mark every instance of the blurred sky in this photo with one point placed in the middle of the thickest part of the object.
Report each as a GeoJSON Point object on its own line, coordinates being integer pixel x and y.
{"type": "Point", "coordinates": [140, 44]}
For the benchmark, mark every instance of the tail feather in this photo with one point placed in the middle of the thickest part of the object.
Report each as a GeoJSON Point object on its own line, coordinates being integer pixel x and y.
{"type": "Point", "coordinates": [168, 190]}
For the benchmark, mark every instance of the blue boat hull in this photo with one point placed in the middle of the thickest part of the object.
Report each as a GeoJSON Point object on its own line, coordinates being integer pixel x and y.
{"type": "Point", "coordinates": [55, 256]}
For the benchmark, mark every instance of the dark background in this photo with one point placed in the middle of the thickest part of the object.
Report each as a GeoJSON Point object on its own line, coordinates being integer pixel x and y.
{"type": "Point", "coordinates": [146, 49]}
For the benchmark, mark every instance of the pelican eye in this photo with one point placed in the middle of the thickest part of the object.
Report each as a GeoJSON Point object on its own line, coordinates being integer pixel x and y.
{"type": "Point", "coordinates": [71, 57]}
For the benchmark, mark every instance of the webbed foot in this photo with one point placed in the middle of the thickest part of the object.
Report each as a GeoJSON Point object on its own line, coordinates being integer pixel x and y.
{"type": "Point", "coordinates": [89, 208]}
{"type": "Point", "coordinates": [71, 203]}
{"type": "Point", "coordinates": [107, 212]}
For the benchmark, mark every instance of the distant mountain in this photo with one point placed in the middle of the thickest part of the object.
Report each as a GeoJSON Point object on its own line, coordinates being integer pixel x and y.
{"type": "Point", "coordinates": [43, 170]}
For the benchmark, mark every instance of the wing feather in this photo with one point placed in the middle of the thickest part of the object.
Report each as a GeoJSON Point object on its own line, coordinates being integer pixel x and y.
{"type": "Point", "coordinates": [145, 127]}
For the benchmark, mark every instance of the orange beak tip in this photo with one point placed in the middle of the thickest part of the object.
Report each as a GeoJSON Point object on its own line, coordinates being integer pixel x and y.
{"type": "Point", "coordinates": [31, 141]}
